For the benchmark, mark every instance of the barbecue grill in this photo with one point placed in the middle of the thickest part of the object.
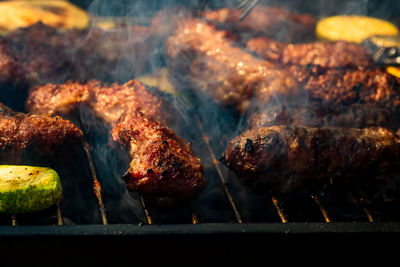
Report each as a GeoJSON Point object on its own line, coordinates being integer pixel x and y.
{"type": "Point", "coordinates": [226, 217]}
{"type": "Point", "coordinates": [235, 218]}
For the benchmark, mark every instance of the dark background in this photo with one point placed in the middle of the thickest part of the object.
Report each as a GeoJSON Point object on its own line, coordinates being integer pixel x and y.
{"type": "Point", "coordinates": [384, 9]}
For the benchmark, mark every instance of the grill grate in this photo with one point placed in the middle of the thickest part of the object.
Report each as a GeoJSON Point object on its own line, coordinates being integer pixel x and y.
{"type": "Point", "coordinates": [282, 213]}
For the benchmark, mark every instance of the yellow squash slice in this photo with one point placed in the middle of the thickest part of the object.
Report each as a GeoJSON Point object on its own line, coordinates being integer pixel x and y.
{"type": "Point", "coordinates": [353, 28]}
{"type": "Point", "coordinates": [55, 13]}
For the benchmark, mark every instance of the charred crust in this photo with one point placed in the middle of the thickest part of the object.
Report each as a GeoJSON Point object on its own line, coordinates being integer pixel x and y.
{"type": "Point", "coordinates": [165, 142]}
{"type": "Point", "coordinates": [249, 145]}
{"type": "Point", "coordinates": [177, 164]}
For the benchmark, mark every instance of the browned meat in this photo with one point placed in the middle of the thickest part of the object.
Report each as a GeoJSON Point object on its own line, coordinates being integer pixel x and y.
{"type": "Point", "coordinates": [286, 159]}
{"type": "Point", "coordinates": [227, 74]}
{"type": "Point", "coordinates": [266, 21]}
{"type": "Point", "coordinates": [28, 139]}
{"type": "Point", "coordinates": [108, 102]}
{"type": "Point", "coordinates": [41, 51]}
{"type": "Point", "coordinates": [165, 22]}
{"type": "Point", "coordinates": [353, 116]}
{"type": "Point", "coordinates": [163, 169]}
{"type": "Point", "coordinates": [339, 54]}
{"type": "Point", "coordinates": [42, 54]}
{"type": "Point", "coordinates": [336, 87]}
{"type": "Point", "coordinates": [10, 70]}
{"type": "Point", "coordinates": [231, 76]}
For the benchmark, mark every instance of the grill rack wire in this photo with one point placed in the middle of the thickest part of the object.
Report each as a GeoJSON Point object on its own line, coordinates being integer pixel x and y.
{"type": "Point", "coordinates": [325, 218]}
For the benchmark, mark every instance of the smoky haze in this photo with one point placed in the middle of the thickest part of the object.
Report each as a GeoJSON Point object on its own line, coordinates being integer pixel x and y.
{"type": "Point", "coordinates": [220, 124]}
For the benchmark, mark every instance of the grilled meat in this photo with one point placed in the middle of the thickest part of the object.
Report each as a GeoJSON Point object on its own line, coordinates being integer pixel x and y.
{"type": "Point", "coordinates": [227, 74]}
{"type": "Point", "coordinates": [108, 102]}
{"type": "Point", "coordinates": [165, 22]}
{"type": "Point", "coordinates": [163, 169]}
{"type": "Point", "coordinates": [34, 139]}
{"type": "Point", "coordinates": [287, 159]}
{"type": "Point", "coordinates": [316, 115]}
{"type": "Point", "coordinates": [40, 51]}
{"type": "Point", "coordinates": [336, 87]}
{"type": "Point", "coordinates": [340, 54]}
{"type": "Point", "coordinates": [273, 22]}
{"type": "Point", "coordinates": [231, 76]}
{"type": "Point", "coordinates": [41, 54]}
{"type": "Point", "coordinates": [10, 70]}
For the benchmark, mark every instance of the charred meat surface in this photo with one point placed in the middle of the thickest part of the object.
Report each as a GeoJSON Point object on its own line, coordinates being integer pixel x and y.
{"type": "Point", "coordinates": [216, 68]}
{"type": "Point", "coordinates": [268, 21]}
{"type": "Point", "coordinates": [108, 102]}
{"type": "Point", "coordinates": [40, 51]}
{"type": "Point", "coordinates": [340, 54]}
{"type": "Point", "coordinates": [163, 168]}
{"type": "Point", "coordinates": [27, 138]}
{"type": "Point", "coordinates": [287, 159]}
{"type": "Point", "coordinates": [232, 77]}
{"type": "Point", "coordinates": [346, 86]}
{"type": "Point", "coordinates": [10, 70]}
{"type": "Point", "coordinates": [41, 54]}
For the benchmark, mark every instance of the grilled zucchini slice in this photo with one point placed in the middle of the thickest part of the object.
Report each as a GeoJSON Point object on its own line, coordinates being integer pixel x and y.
{"type": "Point", "coordinates": [58, 14]}
{"type": "Point", "coordinates": [28, 188]}
{"type": "Point", "coordinates": [353, 28]}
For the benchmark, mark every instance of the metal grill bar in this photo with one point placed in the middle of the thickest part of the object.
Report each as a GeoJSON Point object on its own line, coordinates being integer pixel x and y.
{"type": "Point", "coordinates": [217, 168]}
{"type": "Point", "coordinates": [193, 215]}
{"type": "Point", "coordinates": [279, 210]}
{"type": "Point", "coordinates": [59, 216]}
{"type": "Point", "coordinates": [146, 211]}
{"type": "Point", "coordinates": [361, 201]}
{"type": "Point", "coordinates": [321, 208]}
{"type": "Point", "coordinates": [14, 220]}
{"type": "Point", "coordinates": [96, 184]}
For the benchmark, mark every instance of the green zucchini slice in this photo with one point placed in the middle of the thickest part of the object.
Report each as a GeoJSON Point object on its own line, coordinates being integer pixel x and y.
{"type": "Point", "coordinates": [28, 188]}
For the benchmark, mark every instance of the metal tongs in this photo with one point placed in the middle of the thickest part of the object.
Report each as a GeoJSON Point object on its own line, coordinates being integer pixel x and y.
{"type": "Point", "coordinates": [385, 50]}
{"type": "Point", "coordinates": [248, 6]}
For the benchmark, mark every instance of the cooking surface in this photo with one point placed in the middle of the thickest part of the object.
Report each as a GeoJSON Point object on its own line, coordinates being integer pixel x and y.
{"type": "Point", "coordinates": [225, 206]}
{"type": "Point", "coordinates": [225, 202]}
